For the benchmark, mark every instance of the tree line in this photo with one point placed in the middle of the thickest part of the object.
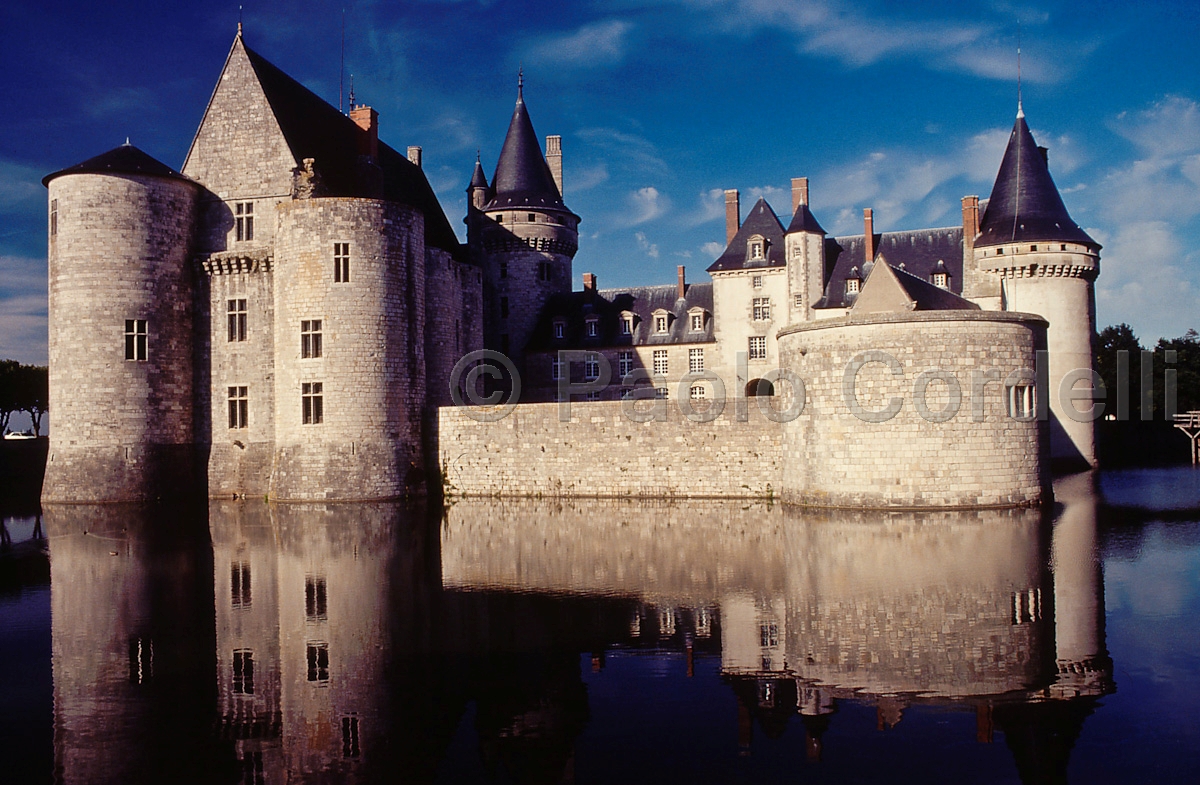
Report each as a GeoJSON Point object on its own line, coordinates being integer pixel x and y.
{"type": "Point", "coordinates": [1180, 355]}
{"type": "Point", "coordinates": [23, 388]}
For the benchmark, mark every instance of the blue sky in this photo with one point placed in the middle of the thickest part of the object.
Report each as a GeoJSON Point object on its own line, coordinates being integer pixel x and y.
{"type": "Point", "coordinates": [903, 107]}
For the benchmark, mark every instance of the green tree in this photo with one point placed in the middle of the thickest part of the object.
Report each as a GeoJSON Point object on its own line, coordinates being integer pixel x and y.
{"type": "Point", "coordinates": [8, 392]}
{"type": "Point", "coordinates": [33, 393]}
{"type": "Point", "coordinates": [1110, 342]}
{"type": "Point", "coordinates": [1187, 370]}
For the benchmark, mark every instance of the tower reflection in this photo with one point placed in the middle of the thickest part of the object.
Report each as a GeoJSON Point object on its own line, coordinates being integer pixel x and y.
{"type": "Point", "coordinates": [312, 643]}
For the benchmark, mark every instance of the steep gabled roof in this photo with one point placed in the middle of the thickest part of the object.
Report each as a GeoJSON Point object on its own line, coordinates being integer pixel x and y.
{"type": "Point", "coordinates": [478, 178]}
{"type": "Point", "coordinates": [125, 159]}
{"type": "Point", "coordinates": [1025, 204]}
{"type": "Point", "coordinates": [890, 290]}
{"type": "Point", "coordinates": [761, 221]}
{"type": "Point", "coordinates": [523, 177]}
{"type": "Point", "coordinates": [315, 129]}
{"type": "Point", "coordinates": [919, 251]}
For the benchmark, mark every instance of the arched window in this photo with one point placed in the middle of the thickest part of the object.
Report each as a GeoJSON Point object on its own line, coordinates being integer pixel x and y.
{"type": "Point", "coordinates": [759, 387]}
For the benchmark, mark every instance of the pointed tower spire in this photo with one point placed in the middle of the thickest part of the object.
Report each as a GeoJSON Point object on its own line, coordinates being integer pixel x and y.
{"type": "Point", "coordinates": [1025, 204]}
{"type": "Point", "coordinates": [523, 178]}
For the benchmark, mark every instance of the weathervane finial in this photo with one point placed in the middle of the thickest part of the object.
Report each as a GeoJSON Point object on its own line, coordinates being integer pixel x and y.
{"type": "Point", "coordinates": [1020, 108]}
{"type": "Point", "coordinates": [521, 82]}
{"type": "Point", "coordinates": [239, 21]}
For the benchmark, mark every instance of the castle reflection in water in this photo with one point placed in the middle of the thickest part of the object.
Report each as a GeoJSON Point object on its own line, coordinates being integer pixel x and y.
{"type": "Point", "coordinates": [344, 643]}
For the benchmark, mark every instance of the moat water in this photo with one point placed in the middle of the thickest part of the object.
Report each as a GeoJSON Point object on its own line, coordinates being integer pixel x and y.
{"type": "Point", "coordinates": [597, 642]}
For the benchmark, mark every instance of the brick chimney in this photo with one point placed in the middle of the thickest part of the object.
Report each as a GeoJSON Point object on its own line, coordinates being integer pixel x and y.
{"type": "Point", "coordinates": [970, 215]}
{"type": "Point", "coordinates": [367, 119]}
{"type": "Point", "coordinates": [679, 294]}
{"type": "Point", "coordinates": [414, 155]}
{"type": "Point", "coordinates": [733, 215]}
{"type": "Point", "coordinates": [554, 159]}
{"type": "Point", "coordinates": [589, 282]}
{"type": "Point", "coordinates": [868, 235]}
{"type": "Point", "coordinates": [799, 193]}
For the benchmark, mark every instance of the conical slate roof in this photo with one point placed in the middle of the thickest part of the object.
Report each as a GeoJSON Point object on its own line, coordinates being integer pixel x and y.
{"type": "Point", "coordinates": [804, 221]}
{"type": "Point", "coordinates": [523, 177]}
{"type": "Point", "coordinates": [1025, 204]}
{"type": "Point", "coordinates": [125, 159]}
{"type": "Point", "coordinates": [478, 178]}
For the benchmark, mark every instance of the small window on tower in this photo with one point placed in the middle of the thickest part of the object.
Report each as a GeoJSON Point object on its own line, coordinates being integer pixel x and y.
{"type": "Point", "coordinates": [135, 340]}
{"type": "Point", "coordinates": [310, 339]}
{"type": "Point", "coordinates": [798, 301]}
{"type": "Point", "coordinates": [54, 217]}
{"type": "Point", "coordinates": [532, 218]}
{"type": "Point", "coordinates": [244, 221]}
{"type": "Point", "coordinates": [312, 403]}
{"type": "Point", "coordinates": [239, 407]}
{"type": "Point", "coordinates": [341, 262]}
{"type": "Point", "coordinates": [504, 269]}
{"type": "Point", "coordinates": [237, 320]}
{"type": "Point", "coordinates": [543, 271]}
{"type": "Point", "coordinates": [503, 307]}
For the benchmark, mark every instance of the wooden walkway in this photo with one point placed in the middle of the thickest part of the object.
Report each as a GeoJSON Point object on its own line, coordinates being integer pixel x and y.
{"type": "Point", "coordinates": [1190, 424]}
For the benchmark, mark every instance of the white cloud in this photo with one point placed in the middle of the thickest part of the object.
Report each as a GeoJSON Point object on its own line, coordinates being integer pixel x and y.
{"type": "Point", "coordinates": [650, 248]}
{"type": "Point", "coordinates": [712, 250]}
{"type": "Point", "coordinates": [646, 204]}
{"type": "Point", "coordinates": [23, 328]}
{"type": "Point", "coordinates": [20, 185]}
{"type": "Point", "coordinates": [1168, 128]}
{"type": "Point", "coordinates": [591, 46]}
{"type": "Point", "coordinates": [586, 178]}
{"type": "Point", "coordinates": [712, 207]}
{"type": "Point", "coordinates": [626, 151]}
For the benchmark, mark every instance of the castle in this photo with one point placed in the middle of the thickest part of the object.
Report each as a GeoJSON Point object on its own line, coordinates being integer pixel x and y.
{"type": "Point", "coordinates": [283, 315]}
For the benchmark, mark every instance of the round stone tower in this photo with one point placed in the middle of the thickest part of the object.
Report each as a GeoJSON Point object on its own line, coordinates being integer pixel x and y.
{"type": "Point", "coordinates": [121, 303]}
{"type": "Point", "coordinates": [1047, 265]}
{"type": "Point", "coordinates": [527, 234]}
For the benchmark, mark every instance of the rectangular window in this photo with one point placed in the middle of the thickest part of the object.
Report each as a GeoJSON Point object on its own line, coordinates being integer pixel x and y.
{"type": "Point", "coordinates": [697, 393]}
{"type": "Point", "coordinates": [239, 584]}
{"type": "Point", "coordinates": [243, 672]}
{"type": "Point", "coordinates": [244, 220]}
{"type": "Point", "coordinates": [236, 311]}
{"type": "Point", "coordinates": [660, 323]}
{"type": "Point", "coordinates": [135, 340]}
{"type": "Point", "coordinates": [504, 269]}
{"type": "Point", "coordinates": [626, 393]}
{"type": "Point", "coordinates": [758, 347]}
{"type": "Point", "coordinates": [660, 392]}
{"type": "Point", "coordinates": [660, 362]}
{"type": "Point", "coordinates": [560, 329]}
{"type": "Point", "coordinates": [695, 360]}
{"type": "Point", "coordinates": [1020, 402]}
{"type": "Point", "coordinates": [503, 307]}
{"type": "Point", "coordinates": [762, 309]}
{"type": "Point", "coordinates": [341, 262]}
{"type": "Point", "coordinates": [543, 271]}
{"type": "Point", "coordinates": [253, 772]}
{"type": "Point", "coordinates": [504, 343]}
{"type": "Point", "coordinates": [593, 395]}
{"type": "Point", "coordinates": [697, 322]}
{"type": "Point", "coordinates": [53, 217]}
{"type": "Point", "coordinates": [769, 633]}
{"type": "Point", "coordinates": [626, 325]}
{"type": "Point", "coordinates": [941, 279]}
{"type": "Point", "coordinates": [756, 281]}
{"type": "Point", "coordinates": [591, 367]}
{"type": "Point", "coordinates": [532, 218]}
{"type": "Point", "coordinates": [798, 301]}
{"type": "Point", "coordinates": [312, 400]}
{"type": "Point", "coordinates": [625, 360]}
{"type": "Point", "coordinates": [556, 369]}
{"type": "Point", "coordinates": [593, 328]}
{"type": "Point", "coordinates": [852, 286]}
{"type": "Point", "coordinates": [239, 407]}
{"type": "Point", "coordinates": [316, 601]}
{"type": "Point", "coordinates": [350, 737]}
{"type": "Point", "coordinates": [318, 662]}
{"type": "Point", "coordinates": [310, 339]}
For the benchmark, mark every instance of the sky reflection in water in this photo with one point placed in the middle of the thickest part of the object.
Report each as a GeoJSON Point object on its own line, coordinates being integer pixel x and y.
{"type": "Point", "coordinates": [540, 641]}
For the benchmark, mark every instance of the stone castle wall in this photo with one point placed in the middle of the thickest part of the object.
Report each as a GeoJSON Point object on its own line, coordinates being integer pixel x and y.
{"type": "Point", "coordinates": [601, 452]}
{"type": "Point", "coordinates": [372, 368]}
{"type": "Point", "coordinates": [123, 429]}
{"type": "Point", "coordinates": [978, 457]}
{"type": "Point", "coordinates": [453, 319]}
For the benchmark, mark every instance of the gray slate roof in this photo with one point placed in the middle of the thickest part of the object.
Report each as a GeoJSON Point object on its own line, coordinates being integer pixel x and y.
{"type": "Point", "coordinates": [523, 177]}
{"type": "Point", "coordinates": [929, 297]}
{"type": "Point", "coordinates": [761, 220]}
{"type": "Point", "coordinates": [608, 304]}
{"type": "Point", "coordinates": [1025, 204]}
{"type": "Point", "coordinates": [125, 159]}
{"type": "Point", "coordinates": [919, 251]}
{"type": "Point", "coordinates": [804, 221]}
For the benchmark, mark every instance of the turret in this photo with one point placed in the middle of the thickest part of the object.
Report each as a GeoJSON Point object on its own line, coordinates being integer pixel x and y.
{"type": "Point", "coordinates": [121, 303]}
{"type": "Point", "coordinates": [805, 256]}
{"type": "Point", "coordinates": [478, 195]}
{"type": "Point", "coordinates": [1046, 265]}
{"type": "Point", "coordinates": [528, 234]}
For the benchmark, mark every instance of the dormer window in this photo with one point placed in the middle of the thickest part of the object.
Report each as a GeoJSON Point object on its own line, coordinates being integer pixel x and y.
{"type": "Point", "coordinates": [756, 249]}
{"type": "Point", "coordinates": [627, 324]}
{"type": "Point", "coordinates": [560, 329]}
{"type": "Point", "coordinates": [593, 326]}
{"type": "Point", "coordinates": [941, 280]}
{"type": "Point", "coordinates": [853, 282]}
{"type": "Point", "coordinates": [662, 321]}
{"type": "Point", "coordinates": [696, 320]}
